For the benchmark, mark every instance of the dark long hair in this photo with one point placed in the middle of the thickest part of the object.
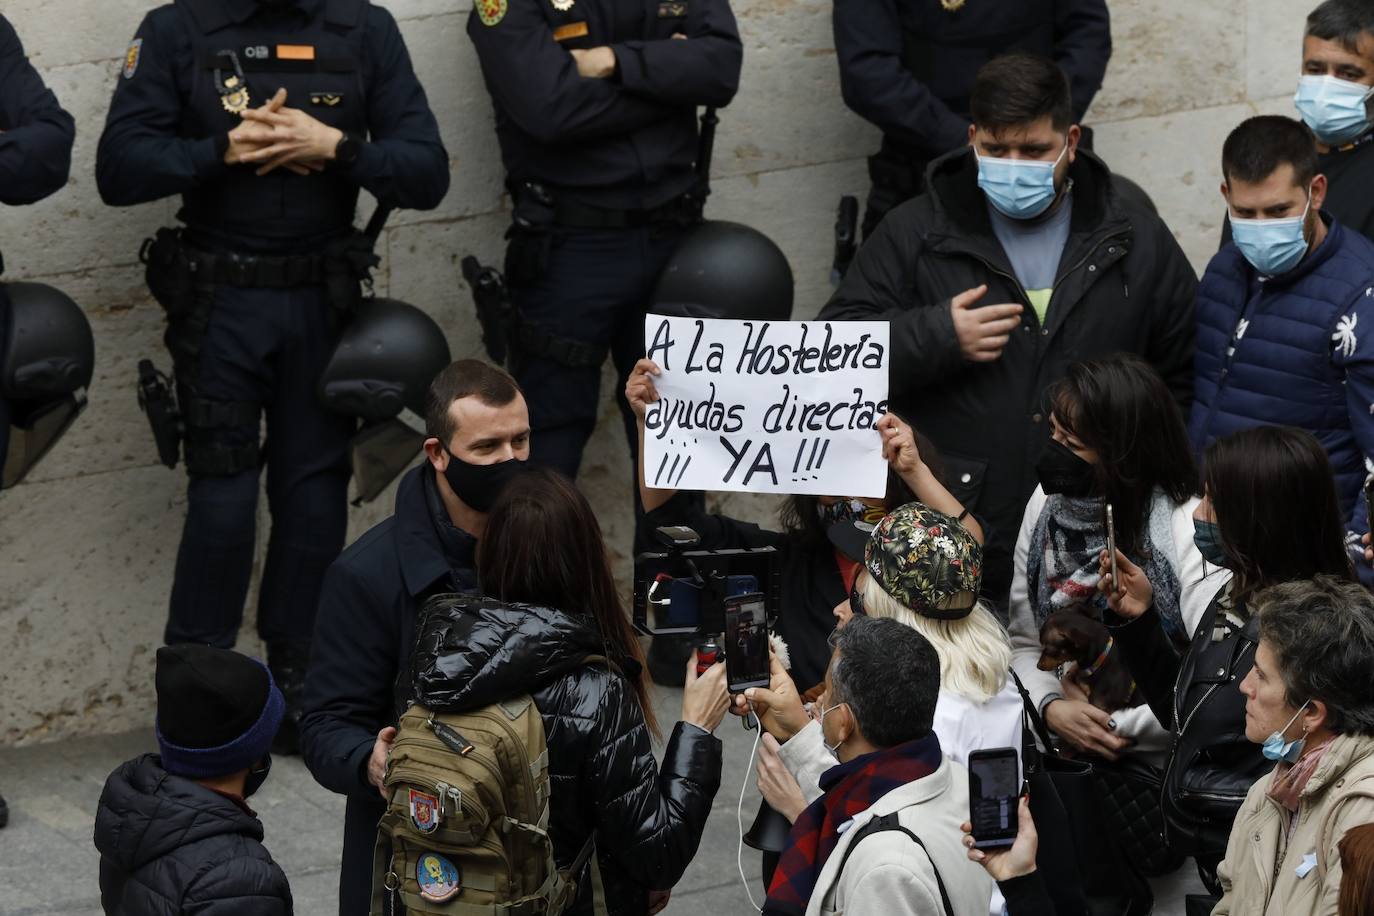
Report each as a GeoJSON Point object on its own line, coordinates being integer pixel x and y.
{"type": "Point", "coordinates": [799, 518]}
{"type": "Point", "coordinates": [1274, 498]}
{"type": "Point", "coordinates": [542, 545]}
{"type": "Point", "coordinates": [1120, 408]}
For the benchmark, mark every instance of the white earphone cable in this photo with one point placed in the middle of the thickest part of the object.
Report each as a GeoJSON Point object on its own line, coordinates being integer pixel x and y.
{"type": "Point", "coordinates": [739, 810]}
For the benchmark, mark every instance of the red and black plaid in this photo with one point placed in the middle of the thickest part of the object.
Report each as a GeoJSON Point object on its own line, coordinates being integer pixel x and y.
{"type": "Point", "coordinates": [850, 788]}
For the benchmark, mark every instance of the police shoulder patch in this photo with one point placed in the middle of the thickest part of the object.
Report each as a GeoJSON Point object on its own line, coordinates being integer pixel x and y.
{"type": "Point", "coordinates": [131, 58]}
{"type": "Point", "coordinates": [491, 12]}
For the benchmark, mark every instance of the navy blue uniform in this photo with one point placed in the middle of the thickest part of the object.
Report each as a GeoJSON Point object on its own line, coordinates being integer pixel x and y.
{"type": "Point", "coordinates": [364, 636]}
{"type": "Point", "coordinates": [908, 66]}
{"type": "Point", "coordinates": [35, 149]}
{"type": "Point", "coordinates": [602, 175]}
{"type": "Point", "coordinates": [247, 345]}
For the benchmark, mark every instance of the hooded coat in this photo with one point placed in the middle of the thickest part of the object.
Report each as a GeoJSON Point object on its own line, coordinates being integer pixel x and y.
{"type": "Point", "coordinates": [603, 778]}
{"type": "Point", "coordinates": [169, 845]}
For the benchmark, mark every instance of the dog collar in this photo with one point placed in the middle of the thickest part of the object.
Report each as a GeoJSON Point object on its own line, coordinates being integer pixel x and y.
{"type": "Point", "coordinates": [1101, 659]}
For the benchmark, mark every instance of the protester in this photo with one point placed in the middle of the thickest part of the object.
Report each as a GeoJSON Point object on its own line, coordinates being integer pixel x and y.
{"type": "Point", "coordinates": [1118, 439]}
{"type": "Point", "coordinates": [174, 829]}
{"type": "Point", "coordinates": [892, 779]}
{"type": "Point", "coordinates": [1013, 867]}
{"type": "Point", "coordinates": [813, 576]}
{"type": "Point", "coordinates": [1357, 872]}
{"type": "Point", "coordinates": [479, 435]}
{"type": "Point", "coordinates": [1268, 514]}
{"type": "Point", "coordinates": [1024, 255]}
{"type": "Point", "coordinates": [1307, 701]}
{"type": "Point", "coordinates": [1333, 99]}
{"type": "Point", "coordinates": [542, 555]}
{"type": "Point", "coordinates": [1282, 310]}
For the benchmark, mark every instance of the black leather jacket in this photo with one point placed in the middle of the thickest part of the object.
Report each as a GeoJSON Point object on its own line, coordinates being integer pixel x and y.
{"type": "Point", "coordinates": [1211, 763]}
{"type": "Point", "coordinates": [473, 652]}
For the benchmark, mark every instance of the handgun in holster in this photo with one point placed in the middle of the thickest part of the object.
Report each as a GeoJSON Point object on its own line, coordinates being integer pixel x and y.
{"type": "Point", "coordinates": [495, 311]}
{"type": "Point", "coordinates": [158, 401]}
{"type": "Point", "coordinates": [846, 237]}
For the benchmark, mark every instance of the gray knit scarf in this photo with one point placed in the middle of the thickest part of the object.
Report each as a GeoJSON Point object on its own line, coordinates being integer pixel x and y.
{"type": "Point", "coordinates": [1061, 566]}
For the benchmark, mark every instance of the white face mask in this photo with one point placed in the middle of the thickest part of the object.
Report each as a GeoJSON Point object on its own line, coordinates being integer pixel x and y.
{"type": "Point", "coordinates": [836, 747]}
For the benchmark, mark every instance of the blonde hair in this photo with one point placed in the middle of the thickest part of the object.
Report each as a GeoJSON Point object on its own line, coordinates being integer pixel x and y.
{"type": "Point", "coordinates": [975, 651]}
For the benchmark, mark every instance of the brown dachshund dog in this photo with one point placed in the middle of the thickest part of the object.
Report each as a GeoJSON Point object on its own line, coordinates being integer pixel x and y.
{"type": "Point", "coordinates": [1071, 636]}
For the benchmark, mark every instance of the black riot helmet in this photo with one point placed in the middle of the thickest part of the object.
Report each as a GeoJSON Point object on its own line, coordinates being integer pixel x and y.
{"type": "Point", "coordinates": [726, 270]}
{"type": "Point", "coordinates": [47, 359]}
{"type": "Point", "coordinates": [380, 372]}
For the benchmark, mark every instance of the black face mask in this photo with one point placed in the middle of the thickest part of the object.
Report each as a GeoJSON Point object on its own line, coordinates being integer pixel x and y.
{"type": "Point", "coordinates": [257, 775]}
{"type": "Point", "coordinates": [1061, 470]}
{"type": "Point", "coordinates": [478, 485]}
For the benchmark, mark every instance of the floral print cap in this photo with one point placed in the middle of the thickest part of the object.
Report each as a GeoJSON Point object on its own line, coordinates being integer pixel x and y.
{"type": "Point", "coordinates": [927, 561]}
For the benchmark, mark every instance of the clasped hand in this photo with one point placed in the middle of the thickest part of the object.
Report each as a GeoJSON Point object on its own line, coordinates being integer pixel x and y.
{"type": "Point", "coordinates": [274, 136]}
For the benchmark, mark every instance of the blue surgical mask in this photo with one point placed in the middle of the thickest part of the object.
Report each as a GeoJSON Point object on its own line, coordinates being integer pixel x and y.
{"type": "Point", "coordinates": [1207, 537]}
{"type": "Point", "coordinates": [1272, 246]}
{"type": "Point", "coordinates": [1019, 188]}
{"type": "Point", "coordinates": [1277, 749]}
{"type": "Point", "coordinates": [1337, 110]}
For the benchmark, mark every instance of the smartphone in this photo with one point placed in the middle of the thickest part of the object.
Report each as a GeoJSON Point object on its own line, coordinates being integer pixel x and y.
{"type": "Point", "coordinates": [1111, 547]}
{"type": "Point", "coordinates": [746, 642]}
{"type": "Point", "coordinates": [1369, 502]}
{"type": "Point", "coordinates": [994, 790]}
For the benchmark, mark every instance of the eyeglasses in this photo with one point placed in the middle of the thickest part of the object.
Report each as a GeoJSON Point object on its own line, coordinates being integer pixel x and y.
{"type": "Point", "coordinates": [856, 599]}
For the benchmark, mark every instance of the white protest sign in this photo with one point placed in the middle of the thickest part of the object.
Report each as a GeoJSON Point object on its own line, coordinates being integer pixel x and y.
{"type": "Point", "coordinates": [767, 406]}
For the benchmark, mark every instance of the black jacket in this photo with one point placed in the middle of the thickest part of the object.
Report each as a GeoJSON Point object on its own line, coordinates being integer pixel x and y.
{"type": "Point", "coordinates": [1350, 176]}
{"type": "Point", "coordinates": [363, 637]}
{"type": "Point", "coordinates": [648, 822]}
{"type": "Point", "coordinates": [1123, 285]}
{"type": "Point", "coordinates": [36, 143]}
{"type": "Point", "coordinates": [810, 584]}
{"type": "Point", "coordinates": [170, 846]}
{"type": "Point", "coordinates": [1211, 763]}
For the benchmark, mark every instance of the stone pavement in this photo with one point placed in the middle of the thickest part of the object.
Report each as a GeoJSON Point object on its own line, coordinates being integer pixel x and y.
{"type": "Point", "coordinates": [48, 866]}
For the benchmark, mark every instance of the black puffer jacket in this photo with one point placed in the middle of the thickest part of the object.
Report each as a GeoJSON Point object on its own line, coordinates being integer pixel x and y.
{"type": "Point", "coordinates": [1123, 285]}
{"type": "Point", "coordinates": [170, 846]}
{"type": "Point", "coordinates": [470, 653]}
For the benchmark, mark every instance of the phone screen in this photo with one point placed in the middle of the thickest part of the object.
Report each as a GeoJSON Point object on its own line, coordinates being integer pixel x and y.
{"type": "Point", "coordinates": [746, 643]}
{"type": "Point", "coordinates": [994, 787]}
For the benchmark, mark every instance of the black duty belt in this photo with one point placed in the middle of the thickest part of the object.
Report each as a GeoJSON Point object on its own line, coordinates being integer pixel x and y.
{"type": "Point", "coordinates": [253, 270]}
{"type": "Point", "coordinates": [575, 215]}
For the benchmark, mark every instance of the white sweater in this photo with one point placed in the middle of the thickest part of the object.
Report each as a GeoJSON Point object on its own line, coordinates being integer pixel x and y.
{"type": "Point", "coordinates": [1198, 580]}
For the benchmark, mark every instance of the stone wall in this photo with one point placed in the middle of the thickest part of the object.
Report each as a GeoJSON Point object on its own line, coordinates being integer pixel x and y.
{"type": "Point", "coordinates": [87, 543]}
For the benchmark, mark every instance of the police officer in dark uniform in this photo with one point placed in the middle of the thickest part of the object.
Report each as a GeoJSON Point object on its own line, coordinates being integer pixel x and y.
{"type": "Point", "coordinates": [908, 66]}
{"type": "Point", "coordinates": [266, 116]}
{"type": "Point", "coordinates": [596, 116]}
{"type": "Point", "coordinates": [35, 156]}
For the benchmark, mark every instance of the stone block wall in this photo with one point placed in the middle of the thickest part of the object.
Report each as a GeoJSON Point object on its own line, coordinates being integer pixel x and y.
{"type": "Point", "coordinates": [87, 543]}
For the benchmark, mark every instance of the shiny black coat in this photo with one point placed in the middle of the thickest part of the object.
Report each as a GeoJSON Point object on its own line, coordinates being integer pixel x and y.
{"type": "Point", "coordinates": [648, 822]}
{"type": "Point", "coordinates": [170, 846]}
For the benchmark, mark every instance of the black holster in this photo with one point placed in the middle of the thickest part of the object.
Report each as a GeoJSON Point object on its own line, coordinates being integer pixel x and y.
{"type": "Point", "coordinates": [348, 268]}
{"type": "Point", "coordinates": [495, 312]}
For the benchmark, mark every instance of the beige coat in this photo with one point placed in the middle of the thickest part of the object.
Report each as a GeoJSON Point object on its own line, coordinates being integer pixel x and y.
{"type": "Point", "coordinates": [1259, 876]}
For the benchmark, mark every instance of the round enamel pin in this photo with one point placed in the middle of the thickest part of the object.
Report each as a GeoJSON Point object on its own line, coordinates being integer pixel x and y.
{"type": "Point", "coordinates": [438, 877]}
{"type": "Point", "coordinates": [491, 11]}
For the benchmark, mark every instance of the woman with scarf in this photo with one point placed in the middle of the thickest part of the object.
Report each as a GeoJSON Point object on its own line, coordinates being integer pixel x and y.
{"type": "Point", "coordinates": [1269, 514]}
{"type": "Point", "coordinates": [1118, 439]}
{"type": "Point", "coordinates": [1308, 703]}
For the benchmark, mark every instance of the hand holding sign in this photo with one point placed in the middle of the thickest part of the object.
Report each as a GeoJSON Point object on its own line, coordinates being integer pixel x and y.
{"type": "Point", "coordinates": [771, 407]}
{"type": "Point", "coordinates": [982, 332]}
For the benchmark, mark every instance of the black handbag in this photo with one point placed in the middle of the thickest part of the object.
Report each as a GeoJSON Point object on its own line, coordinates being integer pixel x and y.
{"type": "Point", "coordinates": [1130, 791]}
{"type": "Point", "coordinates": [1074, 834]}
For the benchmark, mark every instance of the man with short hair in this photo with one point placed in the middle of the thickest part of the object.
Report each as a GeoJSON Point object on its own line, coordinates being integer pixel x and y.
{"type": "Point", "coordinates": [1334, 97]}
{"type": "Point", "coordinates": [1282, 309]}
{"type": "Point", "coordinates": [893, 781]}
{"type": "Point", "coordinates": [479, 439]}
{"type": "Point", "coordinates": [1023, 255]}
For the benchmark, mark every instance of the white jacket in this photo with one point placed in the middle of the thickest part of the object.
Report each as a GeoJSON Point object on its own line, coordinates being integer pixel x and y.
{"type": "Point", "coordinates": [1136, 722]}
{"type": "Point", "coordinates": [889, 874]}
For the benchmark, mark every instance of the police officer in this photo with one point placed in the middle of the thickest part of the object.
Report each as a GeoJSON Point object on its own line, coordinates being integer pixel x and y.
{"type": "Point", "coordinates": [907, 66]}
{"type": "Point", "coordinates": [266, 116]}
{"type": "Point", "coordinates": [35, 156]}
{"type": "Point", "coordinates": [596, 116]}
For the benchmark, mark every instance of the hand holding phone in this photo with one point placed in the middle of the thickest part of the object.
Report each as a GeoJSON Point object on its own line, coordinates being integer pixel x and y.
{"type": "Point", "coordinates": [994, 785]}
{"type": "Point", "coordinates": [1111, 549]}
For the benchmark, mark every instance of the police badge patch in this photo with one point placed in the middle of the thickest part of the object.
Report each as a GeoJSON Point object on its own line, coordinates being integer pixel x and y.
{"type": "Point", "coordinates": [131, 58]}
{"type": "Point", "coordinates": [491, 11]}
{"type": "Point", "coordinates": [424, 811]}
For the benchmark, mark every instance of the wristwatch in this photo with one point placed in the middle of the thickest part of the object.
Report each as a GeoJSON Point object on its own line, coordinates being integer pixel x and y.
{"type": "Point", "coordinates": [346, 152]}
